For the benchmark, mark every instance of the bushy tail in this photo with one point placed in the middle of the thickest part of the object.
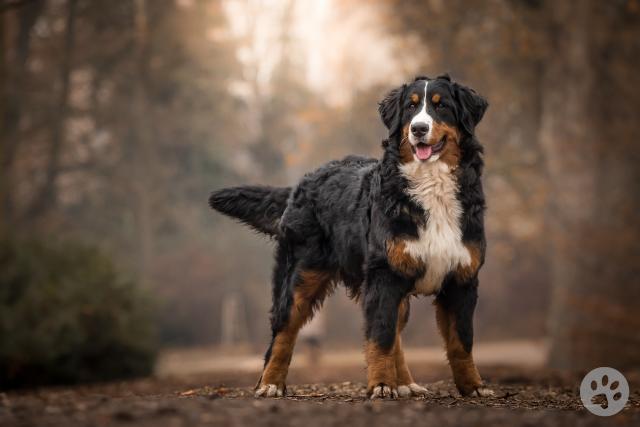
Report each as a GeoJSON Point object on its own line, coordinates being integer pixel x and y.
{"type": "Point", "coordinates": [259, 207]}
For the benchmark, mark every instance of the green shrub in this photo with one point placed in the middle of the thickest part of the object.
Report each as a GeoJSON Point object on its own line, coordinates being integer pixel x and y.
{"type": "Point", "coordinates": [67, 316]}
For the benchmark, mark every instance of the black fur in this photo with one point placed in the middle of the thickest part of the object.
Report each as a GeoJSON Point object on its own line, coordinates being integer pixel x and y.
{"type": "Point", "coordinates": [473, 107]}
{"type": "Point", "coordinates": [339, 218]}
{"type": "Point", "coordinates": [461, 299]}
{"type": "Point", "coordinates": [390, 110]}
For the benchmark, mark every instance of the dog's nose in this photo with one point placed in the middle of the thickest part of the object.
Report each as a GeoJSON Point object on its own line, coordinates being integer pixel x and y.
{"type": "Point", "coordinates": [419, 129]}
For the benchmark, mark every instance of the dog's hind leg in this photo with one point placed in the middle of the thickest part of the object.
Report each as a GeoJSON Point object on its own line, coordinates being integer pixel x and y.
{"type": "Point", "coordinates": [384, 293]}
{"type": "Point", "coordinates": [454, 314]}
{"type": "Point", "coordinates": [406, 385]}
{"type": "Point", "coordinates": [300, 292]}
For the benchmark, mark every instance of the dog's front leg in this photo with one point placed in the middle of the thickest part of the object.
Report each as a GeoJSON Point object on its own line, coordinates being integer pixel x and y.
{"type": "Point", "coordinates": [454, 313]}
{"type": "Point", "coordinates": [406, 386]}
{"type": "Point", "coordinates": [384, 292]}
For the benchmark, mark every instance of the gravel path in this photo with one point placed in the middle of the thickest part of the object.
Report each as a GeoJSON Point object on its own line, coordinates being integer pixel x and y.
{"type": "Point", "coordinates": [523, 397]}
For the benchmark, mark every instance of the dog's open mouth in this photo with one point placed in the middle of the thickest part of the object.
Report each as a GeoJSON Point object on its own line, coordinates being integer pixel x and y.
{"type": "Point", "coordinates": [424, 151]}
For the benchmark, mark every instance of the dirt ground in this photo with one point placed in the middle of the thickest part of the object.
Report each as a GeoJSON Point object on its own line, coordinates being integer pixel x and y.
{"type": "Point", "coordinates": [525, 395]}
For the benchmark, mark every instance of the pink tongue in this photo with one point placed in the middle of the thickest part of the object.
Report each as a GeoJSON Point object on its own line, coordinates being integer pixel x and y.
{"type": "Point", "coordinates": [423, 151]}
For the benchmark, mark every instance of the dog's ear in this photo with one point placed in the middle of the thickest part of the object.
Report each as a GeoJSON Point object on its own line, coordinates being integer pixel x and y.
{"type": "Point", "coordinates": [472, 107]}
{"type": "Point", "coordinates": [390, 109]}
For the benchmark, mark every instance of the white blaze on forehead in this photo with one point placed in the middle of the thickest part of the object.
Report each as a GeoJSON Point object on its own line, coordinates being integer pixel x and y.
{"type": "Point", "coordinates": [422, 116]}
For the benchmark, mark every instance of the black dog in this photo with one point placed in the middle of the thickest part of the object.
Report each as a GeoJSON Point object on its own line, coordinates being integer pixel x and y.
{"type": "Point", "coordinates": [409, 224]}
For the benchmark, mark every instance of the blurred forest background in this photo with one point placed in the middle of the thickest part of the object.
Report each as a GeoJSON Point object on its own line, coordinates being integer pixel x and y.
{"type": "Point", "coordinates": [117, 118]}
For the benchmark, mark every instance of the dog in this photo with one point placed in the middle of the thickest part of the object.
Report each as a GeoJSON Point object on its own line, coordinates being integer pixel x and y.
{"type": "Point", "coordinates": [410, 223]}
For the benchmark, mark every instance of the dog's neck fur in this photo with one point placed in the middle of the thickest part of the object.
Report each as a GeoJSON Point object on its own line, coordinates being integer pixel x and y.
{"type": "Point", "coordinates": [399, 178]}
{"type": "Point", "coordinates": [434, 187]}
{"type": "Point", "coordinates": [393, 186]}
{"type": "Point", "coordinates": [431, 188]}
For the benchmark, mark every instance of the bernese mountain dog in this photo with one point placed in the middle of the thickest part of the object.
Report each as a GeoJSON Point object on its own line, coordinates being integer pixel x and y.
{"type": "Point", "coordinates": [411, 223]}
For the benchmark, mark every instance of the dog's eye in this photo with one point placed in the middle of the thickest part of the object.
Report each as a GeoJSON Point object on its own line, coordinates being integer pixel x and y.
{"type": "Point", "coordinates": [412, 106]}
{"type": "Point", "coordinates": [439, 105]}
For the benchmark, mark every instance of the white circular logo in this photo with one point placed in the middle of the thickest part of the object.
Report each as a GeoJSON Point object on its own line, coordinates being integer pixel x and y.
{"type": "Point", "coordinates": [604, 391]}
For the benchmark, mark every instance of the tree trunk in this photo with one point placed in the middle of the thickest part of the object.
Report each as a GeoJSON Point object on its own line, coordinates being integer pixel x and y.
{"type": "Point", "coordinates": [13, 93]}
{"type": "Point", "coordinates": [4, 189]}
{"type": "Point", "coordinates": [589, 134]}
{"type": "Point", "coordinates": [47, 197]}
{"type": "Point", "coordinates": [142, 150]}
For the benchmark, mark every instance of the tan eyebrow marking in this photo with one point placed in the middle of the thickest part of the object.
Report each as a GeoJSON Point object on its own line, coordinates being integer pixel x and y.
{"type": "Point", "coordinates": [415, 98]}
{"type": "Point", "coordinates": [435, 98]}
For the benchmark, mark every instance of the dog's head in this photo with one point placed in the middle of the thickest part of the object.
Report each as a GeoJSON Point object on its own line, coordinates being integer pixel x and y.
{"type": "Point", "coordinates": [430, 118]}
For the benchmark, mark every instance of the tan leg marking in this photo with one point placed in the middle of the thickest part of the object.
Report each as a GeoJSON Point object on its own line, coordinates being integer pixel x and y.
{"type": "Point", "coordinates": [387, 371]}
{"type": "Point", "coordinates": [467, 272]}
{"type": "Point", "coordinates": [381, 365]}
{"type": "Point", "coordinates": [311, 290]}
{"type": "Point", "coordinates": [465, 373]}
{"type": "Point", "coordinates": [402, 370]}
{"type": "Point", "coordinates": [406, 385]}
{"type": "Point", "coordinates": [381, 371]}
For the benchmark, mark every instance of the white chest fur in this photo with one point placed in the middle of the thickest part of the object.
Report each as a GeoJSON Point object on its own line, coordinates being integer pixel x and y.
{"type": "Point", "coordinates": [439, 244]}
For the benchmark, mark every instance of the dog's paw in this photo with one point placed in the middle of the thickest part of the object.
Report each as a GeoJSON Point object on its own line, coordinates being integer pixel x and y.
{"type": "Point", "coordinates": [482, 391]}
{"type": "Point", "coordinates": [270, 390]}
{"type": "Point", "coordinates": [382, 391]}
{"type": "Point", "coordinates": [412, 389]}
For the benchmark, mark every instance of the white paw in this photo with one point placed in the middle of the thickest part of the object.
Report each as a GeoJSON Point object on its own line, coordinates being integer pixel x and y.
{"type": "Point", "coordinates": [404, 391]}
{"type": "Point", "coordinates": [269, 390]}
{"type": "Point", "coordinates": [412, 389]}
{"type": "Point", "coordinates": [382, 391]}
{"type": "Point", "coordinates": [418, 390]}
{"type": "Point", "coordinates": [482, 392]}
